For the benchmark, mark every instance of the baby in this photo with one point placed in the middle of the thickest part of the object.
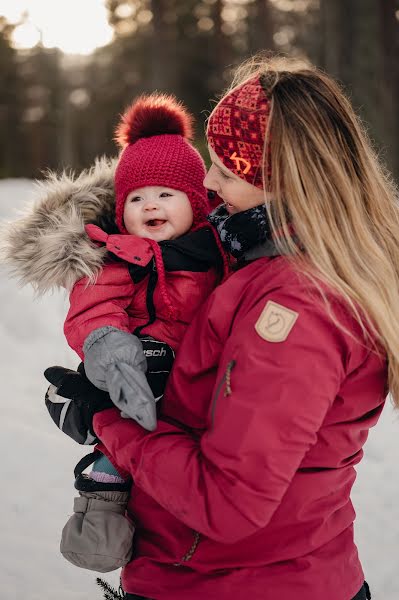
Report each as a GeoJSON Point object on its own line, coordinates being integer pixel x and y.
{"type": "Point", "coordinates": [163, 263]}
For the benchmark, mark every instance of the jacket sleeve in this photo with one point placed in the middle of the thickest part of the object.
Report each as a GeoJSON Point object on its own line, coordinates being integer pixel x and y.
{"type": "Point", "coordinates": [228, 484]}
{"type": "Point", "coordinates": [99, 304]}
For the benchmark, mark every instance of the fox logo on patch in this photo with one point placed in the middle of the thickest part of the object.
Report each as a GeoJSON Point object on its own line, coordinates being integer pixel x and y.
{"type": "Point", "coordinates": [275, 322]}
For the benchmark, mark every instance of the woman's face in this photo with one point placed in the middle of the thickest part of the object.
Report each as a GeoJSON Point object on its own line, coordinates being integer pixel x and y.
{"type": "Point", "coordinates": [236, 193]}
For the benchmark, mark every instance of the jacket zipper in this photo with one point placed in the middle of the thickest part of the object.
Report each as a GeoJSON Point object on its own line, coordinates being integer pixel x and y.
{"type": "Point", "coordinates": [227, 392]}
{"type": "Point", "coordinates": [188, 556]}
{"type": "Point", "coordinates": [227, 380]}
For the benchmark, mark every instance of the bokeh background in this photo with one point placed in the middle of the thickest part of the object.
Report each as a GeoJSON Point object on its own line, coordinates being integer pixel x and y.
{"type": "Point", "coordinates": [68, 68]}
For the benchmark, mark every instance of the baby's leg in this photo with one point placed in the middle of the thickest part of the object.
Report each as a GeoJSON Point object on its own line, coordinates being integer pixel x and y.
{"type": "Point", "coordinates": [99, 536]}
{"type": "Point", "coordinates": [104, 471]}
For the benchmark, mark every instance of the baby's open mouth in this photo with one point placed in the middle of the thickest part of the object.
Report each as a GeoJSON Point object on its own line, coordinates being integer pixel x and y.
{"type": "Point", "coordinates": [155, 222]}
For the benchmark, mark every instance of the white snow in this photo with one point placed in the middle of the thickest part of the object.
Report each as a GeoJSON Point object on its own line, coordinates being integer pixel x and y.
{"type": "Point", "coordinates": [37, 460]}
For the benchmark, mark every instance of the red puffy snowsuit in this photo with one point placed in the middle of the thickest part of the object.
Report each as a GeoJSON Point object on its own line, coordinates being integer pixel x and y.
{"type": "Point", "coordinates": [242, 492]}
{"type": "Point", "coordinates": [127, 296]}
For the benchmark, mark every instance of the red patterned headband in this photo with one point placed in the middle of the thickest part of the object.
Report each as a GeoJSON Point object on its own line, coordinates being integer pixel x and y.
{"type": "Point", "coordinates": [237, 128]}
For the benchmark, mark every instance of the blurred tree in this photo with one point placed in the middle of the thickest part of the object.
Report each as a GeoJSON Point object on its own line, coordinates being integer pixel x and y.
{"type": "Point", "coordinates": [261, 27]}
{"type": "Point", "coordinates": [13, 147]}
{"type": "Point", "coordinates": [389, 36]}
{"type": "Point", "coordinates": [59, 111]}
{"type": "Point", "coordinates": [360, 47]}
{"type": "Point", "coordinates": [205, 50]}
{"type": "Point", "coordinates": [42, 118]}
{"type": "Point", "coordinates": [294, 26]}
{"type": "Point", "coordinates": [162, 42]}
{"type": "Point", "coordinates": [79, 124]}
{"type": "Point", "coordinates": [171, 46]}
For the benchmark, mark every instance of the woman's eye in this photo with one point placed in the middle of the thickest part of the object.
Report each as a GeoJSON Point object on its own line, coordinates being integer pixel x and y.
{"type": "Point", "coordinates": [165, 195]}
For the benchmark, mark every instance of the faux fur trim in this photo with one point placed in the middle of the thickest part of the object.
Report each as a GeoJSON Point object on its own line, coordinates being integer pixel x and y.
{"type": "Point", "coordinates": [47, 246]}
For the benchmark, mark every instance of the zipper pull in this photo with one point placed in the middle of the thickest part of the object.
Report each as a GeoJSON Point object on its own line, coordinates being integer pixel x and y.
{"type": "Point", "coordinates": [229, 368]}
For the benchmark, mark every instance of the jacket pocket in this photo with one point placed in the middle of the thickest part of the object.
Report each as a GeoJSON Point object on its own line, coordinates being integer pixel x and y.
{"type": "Point", "coordinates": [226, 382]}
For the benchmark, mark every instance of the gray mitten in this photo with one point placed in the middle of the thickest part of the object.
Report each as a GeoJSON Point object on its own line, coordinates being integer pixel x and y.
{"type": "Point", "coordinates": [98, 536]}
{"type": "Point", "coordinates": [115, 362]}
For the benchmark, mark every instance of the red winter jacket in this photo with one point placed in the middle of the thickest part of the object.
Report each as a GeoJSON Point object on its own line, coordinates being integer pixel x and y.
{"type": "Point", "coordinates": [127, 294]}
{"type": "Point", "coordinates": [243, 490]}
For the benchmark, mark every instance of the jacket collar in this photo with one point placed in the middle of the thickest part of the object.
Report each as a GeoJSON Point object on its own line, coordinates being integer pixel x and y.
{"type": "Point", "coordinates": [268, 248]}
{"type": "Point", "coordinates": [180, 254]}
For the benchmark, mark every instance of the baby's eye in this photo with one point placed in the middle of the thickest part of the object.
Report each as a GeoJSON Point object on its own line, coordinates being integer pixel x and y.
{"type": "Point", "coordinates": [165, 195]}
{"type": "Point", "coordinates": [135, 199]}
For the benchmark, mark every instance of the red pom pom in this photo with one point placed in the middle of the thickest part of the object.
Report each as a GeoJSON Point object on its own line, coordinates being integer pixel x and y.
{"type": "Point", "coordinates": [155, 114]}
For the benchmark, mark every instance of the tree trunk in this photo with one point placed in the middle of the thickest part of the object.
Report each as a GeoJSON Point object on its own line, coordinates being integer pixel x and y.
{"type": "Point", "coordinates": [360, 47]}
{"type": "Point", "coordinates": [389, 88]}
{"type": "Point", "coordinates": [163, 46]}
{"type": "Point", "coordinates": [336, 19]}
{"type": "Point", "coordinates": [221, 53]}
{"type": "Point", "coordinates": [261, 33]}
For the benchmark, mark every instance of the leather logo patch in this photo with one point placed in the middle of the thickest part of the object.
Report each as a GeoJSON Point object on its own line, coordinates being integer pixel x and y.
{"type": "Point", "coordinates": [275, 322]}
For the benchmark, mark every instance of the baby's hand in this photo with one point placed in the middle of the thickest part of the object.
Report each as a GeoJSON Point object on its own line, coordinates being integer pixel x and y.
{"type": "Point", "coordinates": [115, 361]}
{"type": "Point", "coordinates": [160, 357]}
{"type": "Point", "coordinates": [72, 400]}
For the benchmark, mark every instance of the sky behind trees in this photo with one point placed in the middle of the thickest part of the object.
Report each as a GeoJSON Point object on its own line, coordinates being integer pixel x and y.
{"type": "Point", "coordinates": [73, 26]}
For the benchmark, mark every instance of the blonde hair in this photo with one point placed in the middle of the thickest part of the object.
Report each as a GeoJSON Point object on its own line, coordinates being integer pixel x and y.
{"type": "Point", "coordinates": [331, 191]}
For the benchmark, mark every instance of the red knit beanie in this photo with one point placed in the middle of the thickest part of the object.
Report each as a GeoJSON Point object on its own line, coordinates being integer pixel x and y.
{"type": "Point", "coordinates": [154, 133]}
{"type": "Point", "coordinates": [237, 128]}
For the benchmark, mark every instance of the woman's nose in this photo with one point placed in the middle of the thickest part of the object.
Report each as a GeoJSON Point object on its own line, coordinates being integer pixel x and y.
{"type": "Point", "coordinates": [209, 181]}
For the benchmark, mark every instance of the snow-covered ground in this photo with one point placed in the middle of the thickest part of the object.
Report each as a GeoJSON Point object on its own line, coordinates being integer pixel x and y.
{"type": "Point", "coordinates": [37, 460]}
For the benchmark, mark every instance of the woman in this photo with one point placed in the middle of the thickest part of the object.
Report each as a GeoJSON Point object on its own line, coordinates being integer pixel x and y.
{"type": "Point", "coordinates": [243, 491]}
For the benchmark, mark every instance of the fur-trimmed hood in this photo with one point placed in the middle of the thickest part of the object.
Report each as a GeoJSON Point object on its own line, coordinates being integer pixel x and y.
{"type": "Point", "coordinates": [47, 246]}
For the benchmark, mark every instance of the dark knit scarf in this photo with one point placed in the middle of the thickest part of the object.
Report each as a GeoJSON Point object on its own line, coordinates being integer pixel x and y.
{"type": "Point", "coordinates": [244, 232]}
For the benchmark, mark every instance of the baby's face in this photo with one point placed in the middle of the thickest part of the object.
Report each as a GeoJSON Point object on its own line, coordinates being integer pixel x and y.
{"type": "Point", "coordinates": [157, 212]}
